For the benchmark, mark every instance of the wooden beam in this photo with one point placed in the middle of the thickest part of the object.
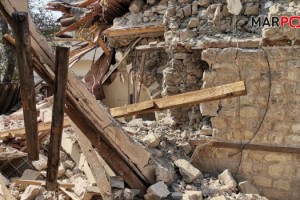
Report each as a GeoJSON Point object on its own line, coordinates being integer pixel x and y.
{"type": "Point", "coordinates": [139, 31]}
{"type": "Point", "coordinates": [96, 166]}
{"type": "Point", "coordinates": [246, 146]}
{"type": "Point", "coordinates": [60, 85]}
{"type": "Point", "coordinates": [103, 46]}
{"type": "Point", "coordinates": [23, 51]}
{"type": "Point", "coordinates": [140, 78]}
{"type": "Point", "coordinates": [20, 132]}
{"type": "Point", "coordinates": [41, 183]}
{"type": "Point", "coordinates": [86, 3]}
{"type": "Point", "coordinates": [77, 24]}
{"type": "Point", "coordinates": [128, 50]}
{"type": "Point", "coordinates": [205, 95]}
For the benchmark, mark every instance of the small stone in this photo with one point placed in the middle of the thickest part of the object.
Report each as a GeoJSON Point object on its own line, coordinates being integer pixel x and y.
{"type": "Point", "coordinates": [158, 190]}
{"type": "Point", "coordinates": [194, 7]}
{"type": "Point", "coordinates": [252, 10]}
{"type": "Point", "coordinates": [226, 178]}
{"type": "Point", "coordinates": [296, 128]}
{"type": "Point", "coordinates": [164, 174]}
{"type": "Point", "coordinates": [204, 3]}
{"type": "Point", "coordinates": [176, 195]}
{"type": "Point", "coordinates": [186, 34]}
{"type": "Point", "coordinates": [187, 10]}
{"type": "Point", "coordinates": [31, 192]}
{"type": "Point", "coordinates": [206, 130]}
{"type": "Point", "coordinates": [188, 171]}
{"type": "Point", "coordinates": [185, 147]}
{"type": "Point", "coordinates": [194, 22]}
{"type": "Point", "coordinates": [136, 6]}
{"type": "Point", "coordinates": [152, 140]}
{"type": "Point", "coordinates": [151, 2]}
{"type": "Point", "coordinates": [191, 195]}
{"type": "Point", "coordinates": [61, 170]}
{"type": "Point", "coordinates": [40, 164]}
{"type": "Point", "coordinates": [222, 197]}
{"type": "Point", "coordinates": [247, 188]}
{"type": "Point", "coordinates": [117, 182]}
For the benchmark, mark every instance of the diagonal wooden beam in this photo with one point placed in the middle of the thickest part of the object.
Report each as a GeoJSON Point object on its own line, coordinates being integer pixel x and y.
{"type": "Point", "coordinates": [23, 51]}
{"type": "Point", "coordinates": [205, 95]}
{"type": "Point", "coordinates": [77, 24]}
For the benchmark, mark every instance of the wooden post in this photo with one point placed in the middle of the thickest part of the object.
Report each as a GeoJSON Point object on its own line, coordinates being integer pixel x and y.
{"type": "Point", "coordinates": [60, 85]}
{"type": "Point", "coordinates": [140, 78]}
{"type": "Point", "coordinates": [23, 50]}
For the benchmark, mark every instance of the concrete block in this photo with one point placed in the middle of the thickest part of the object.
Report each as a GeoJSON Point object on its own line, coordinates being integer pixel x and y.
{"type": "Point", "coordinates": [188, 171]}
{"type": "Point", "coordinates": [30, 175]}
{"type": "Point", "coordinates": [247, 188]}
{"type": "Point", "coordinates": [40, 164]}
{"type": "Point", "coordinates": [31, 192]}
{"type": "Point", "coordinates": [158, 190]}
{"type": "Point", "coordinates": [227, 179]}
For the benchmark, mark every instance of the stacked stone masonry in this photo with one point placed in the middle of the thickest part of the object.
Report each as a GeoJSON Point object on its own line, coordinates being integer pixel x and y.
{"type": "Point", "coordinates": [271, 77]}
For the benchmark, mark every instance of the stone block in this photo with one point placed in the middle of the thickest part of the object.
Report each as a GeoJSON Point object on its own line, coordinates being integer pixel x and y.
{"type": "Point", "coordinates": [31, 192]}
{"type": "Point", "coordinates": [188, 171]}
{"type": "Point", "coordinates": [275, 170]}
{"type": "Point", "coordinates": [152, 140]}
{"type": "Point", "coordinates": [117, 182]}
{"type": "Point", "coordinates": [194, 22]}
{"type": "Point", "coordinates": [262, 181]}
{"type": "Point", "coordinates": [282, 184]}
{"type": "Point", "coordinates": [40, 164]}
{"type": "Point", "coordinates": [249, 112]}
{"type": "Point", "coordinates": [157, 191]}
{"type": "Point", "coordinates": [191, 195]}
{"type": "Point", "coordinates": [227, 179]}
{"type": "Point", "coordinates": [164, 174]}
{"type": "Point", "coordinates": [136, 6]}
{"type": "Point", "coordinates": [247, 188]}
{"type": "Point", "coordinates": [29, 174]}
{"type": "Point", "coordinates": [204, 3]}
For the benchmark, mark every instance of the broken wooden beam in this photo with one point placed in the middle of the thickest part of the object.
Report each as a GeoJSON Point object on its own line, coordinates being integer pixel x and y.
{"type": "Point", "coordinates": [60, 85]}
{"type": "Point", "coordinates": [20, 132]}
{"type": "Point", "coordinates": [205, 95]}
{"type": "Point", "coordinates": [138, 31]}
{"type": "Point", "coordinates": [77, 24]}
{"type": "Point", "coordinates": [246, 146]}
{"type": "Point", "coordinates": [41, 183]}
{"type": "Point", "coordinates": [23, 51]}
{"type": "Point", "coordinates": [94, 163]}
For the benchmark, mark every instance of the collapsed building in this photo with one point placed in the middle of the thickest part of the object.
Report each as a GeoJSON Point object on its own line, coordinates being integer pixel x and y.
{"type": "Point", "coordinates": [154, 50]}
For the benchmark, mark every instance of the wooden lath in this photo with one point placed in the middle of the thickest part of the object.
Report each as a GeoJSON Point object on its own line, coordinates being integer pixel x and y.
{"type": "Point", "coordinates": [205, 95]}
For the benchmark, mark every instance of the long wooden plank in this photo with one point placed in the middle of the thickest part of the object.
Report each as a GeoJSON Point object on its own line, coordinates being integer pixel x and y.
{"type": "Point", "coordinates": [33, 182]}
{"type": "Point", "coordinates": [246, 146]}
{"type": "Point", "coordinates": [97, 169]}
{"type": "Point", "coordinates": [60, 84]}
{"type": "Point", "coordinates": [20, 132]}
{"type": "Point", "coordinates": [139, 31]}
{"type": "Point", "coordinates": [23, 51]}
{"type": "Point", "coordinates": [205, 95]}
{"type": "Point", "coordinates": [77, 24]}
{"type": "Point", "coordinates": [133, 158]}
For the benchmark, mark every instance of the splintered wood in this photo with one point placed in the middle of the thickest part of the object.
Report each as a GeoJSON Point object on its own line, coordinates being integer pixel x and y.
{"type": "Point", "coordinates": [60, 84]}
{"type": "Point", "coordinates": [220, 92]}
{"type": "Point", "coordinates": [23, 50]}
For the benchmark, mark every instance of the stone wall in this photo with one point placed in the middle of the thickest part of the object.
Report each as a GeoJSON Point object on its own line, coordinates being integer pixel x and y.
{"type": "Point", "coordinates": [269, 114]}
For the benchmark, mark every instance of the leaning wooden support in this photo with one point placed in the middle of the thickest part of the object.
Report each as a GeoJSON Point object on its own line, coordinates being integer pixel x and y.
{"type": "Point", "coordinates": [97, 168]}
{"type": "Point", "coordinates": [23, 50]}
{"type": "Point", "coordinates": [205, 95]}
{"type": "Point", "coordinates": [60, 85]}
